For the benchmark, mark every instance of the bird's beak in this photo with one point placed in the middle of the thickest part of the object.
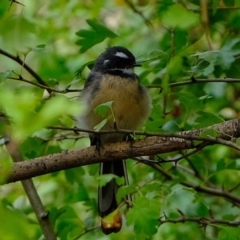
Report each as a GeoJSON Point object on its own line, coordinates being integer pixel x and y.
{"type": "Point", "coordinates": [137, 64]}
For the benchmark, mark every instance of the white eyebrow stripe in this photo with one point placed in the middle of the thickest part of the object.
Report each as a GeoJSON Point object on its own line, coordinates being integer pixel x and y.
{"type": "Point", "coordinates": [121, 54]}
{"type": "Point", "coordinates": [105, 61]}
{"type": "Point", "coordinates": [125, 70]}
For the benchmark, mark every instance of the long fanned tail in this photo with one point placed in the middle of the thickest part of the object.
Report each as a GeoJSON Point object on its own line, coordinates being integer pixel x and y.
{"type": "Point", "coordinates": [107, 202]}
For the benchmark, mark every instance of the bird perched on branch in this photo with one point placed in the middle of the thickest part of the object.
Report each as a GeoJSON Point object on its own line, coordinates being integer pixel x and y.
{"type": "Point", "coordinates": [112, 80]}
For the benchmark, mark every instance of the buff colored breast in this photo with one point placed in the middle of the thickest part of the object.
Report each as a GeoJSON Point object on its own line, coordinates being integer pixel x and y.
{"type": "Point", "coordinates": [131, 104]}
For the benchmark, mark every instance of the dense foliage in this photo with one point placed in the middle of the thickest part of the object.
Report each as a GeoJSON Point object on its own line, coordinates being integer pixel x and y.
{"type": "Point", "coordinates": [179, 44]}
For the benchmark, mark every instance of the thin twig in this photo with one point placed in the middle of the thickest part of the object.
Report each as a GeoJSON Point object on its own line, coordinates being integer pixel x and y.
{"type": "Point", "coordinates": [210, 8]}
{"type": "Point", "coordinates": [131, 5]}
{"type": "Point", "coordinates": [182, 135]}
{"type": "Point", "coordinates": [87, 231]}
{"type": "Point", "coordinates": [20, 78]}
{"type": "Point", "coordinates": [177, 84]}
{"type": "Point", "coordinates": [196, 172]}
{"type": "Point", "coordinates": [175, 160]}
{"type": "Point", "coordinates": [14, 1]}
{"type": "Point", "coordinates": [25, 66]}
{"type": "Point", "coordinates": [233, 188]}
{"type": "Point", "coordinates": [198, 148]}
{"type": "Point", "coordinates": [208, 190]}
{"type": "Point", "coordinates": [200, 221]}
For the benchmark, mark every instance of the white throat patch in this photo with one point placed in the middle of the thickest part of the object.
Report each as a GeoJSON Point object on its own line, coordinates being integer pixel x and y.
{"type": "Point", "coordinates": [125, 70]}
{"type": "Point", "coordinates": [121, 55]}
{"type": "Point", "coordinates": [128, 70]}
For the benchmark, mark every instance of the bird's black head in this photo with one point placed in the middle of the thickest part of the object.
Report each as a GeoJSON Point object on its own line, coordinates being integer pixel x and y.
{"type": "Point", "coordinates": [116, 59]}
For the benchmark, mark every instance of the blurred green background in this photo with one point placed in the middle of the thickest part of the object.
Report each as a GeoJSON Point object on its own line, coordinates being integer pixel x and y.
{"type": "Point", "coordinates": [175, 41]}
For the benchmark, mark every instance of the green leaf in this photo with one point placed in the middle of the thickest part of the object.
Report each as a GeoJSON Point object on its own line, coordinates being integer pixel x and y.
{"type": "Point", "coordinates": [229, 233]}
{"type": "Point", "coordinates": [223, 57]}
{"type": "Point", "coordinates": [201, 65]}
{"type": "Point", "coordinates": [82, 193]}
{"type": "Point", "coordinates": [144, 216]}
{"type": "Point", "coordinates": [155, 125]}
{"type": "Point", "coordinates": [19, 31]}
{"type": "Point", "coordinates": [120, 180]}
{"type": "Point", "coordinates": [224, 164]}
{"type": "Point", "coordinates": [190, 101]}
{"type": "Point", "coordinates": [92, 169]}
{"type": "Point", "coordinates": [28, 115]}
{"type": "Point", "coordinates": [102, 111]}
{"type": "Point", "coordinates": [72, 175]}
{"type": "Point", "coordinates": [206, 119]}
{"type": "Point", "coordinates": [33, 147]}
{"type": "Point", "coordinates": [103, 108]}
{"type": "Point", "coordinates": [41, 48]}
{"type": "Point", "coordinates": [89, 64]}
{"type": "Point", "coordinates": [171, 126]}
{"type": "Point", "coordinates": [154, 56]}
{"type": "Point", "coordinates": [5, 75]}
{"type": "Point", "coordinates": [94, 36]}
{"type": "Point", "coordinates": [209, 132]}
{"type": "Point", "coordinates": [154, 187]}
{"type": "Point", "coordinates": [68, 222]}
{"type": "Point", "coordinates": [10, 217]}
{"type": "Point", "coordinates": [209, 56]}
{"type": "Point", "coordinates": [99, 126]}
{"type": "Point", "coordinates": [227, 53]}
{"type": "Point", "coordinates": [175, 66]}
{"type": "Point", "coordinates": [125, 190]}
{"type": "Point", "coordinates": [184, 20]}
{"type": "Point", "coordinates": [105, 178]}
{"type": "Point", "coordinates": [217, 90]}
{"type": "Point", "coordinates": [67, 212]}
{"type": "Point", "coordinates": [5, 167]}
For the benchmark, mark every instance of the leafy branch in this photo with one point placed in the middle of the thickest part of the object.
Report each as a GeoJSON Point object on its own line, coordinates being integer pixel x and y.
{"type": "Point", "coordinates": [25, 66]}
{"type": "Point", "coordinates": [42, 84]}
{"type": "Point", "coordinates": [201, 221]}
{"type": "Point", "coordinates": [29, 188]}
{"type": "Point", "coordinates": [49, 89]}
{"type": "Point", "coordinates": [197, 81]}
{"type": "Point", "coordinates": [187, 135]}
{"type": "Point", "coordinates": [208, 190]}
{"type": "Point", "coordinates": [135, 10]}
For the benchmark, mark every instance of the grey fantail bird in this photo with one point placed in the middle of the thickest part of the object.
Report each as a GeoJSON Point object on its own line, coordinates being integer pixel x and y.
{"type": "Point", "coordinates": [113, 79]}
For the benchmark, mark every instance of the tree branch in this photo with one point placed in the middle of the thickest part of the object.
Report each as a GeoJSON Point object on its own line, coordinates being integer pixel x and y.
{"type": "Point", "coordinates": [29, 188]}
{"type": "Point", "coordinates": [201, 221]}
{"type": "Point", "coordinates": [117, 151]}
{"type": "Point", "coordinates": [134, 9]}
{"type": "Point", "coordinates": [49, 89]}
{"type": "Point", "coordinates": [208, 190]}
{"type": "Point", "coordinates": [14, 1]}
{"type": "Point", "coordinates": [196, 81]}
{"type": "Point", "coordinates": [25, 66]}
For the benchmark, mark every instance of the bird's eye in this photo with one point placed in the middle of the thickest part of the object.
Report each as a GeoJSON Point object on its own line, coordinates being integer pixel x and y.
{"type": "Point", "coordinates": [121, 55]}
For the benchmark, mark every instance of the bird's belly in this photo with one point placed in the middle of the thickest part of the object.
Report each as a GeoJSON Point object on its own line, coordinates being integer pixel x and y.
{"type": "Point", "coordinates": [130, 107]}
